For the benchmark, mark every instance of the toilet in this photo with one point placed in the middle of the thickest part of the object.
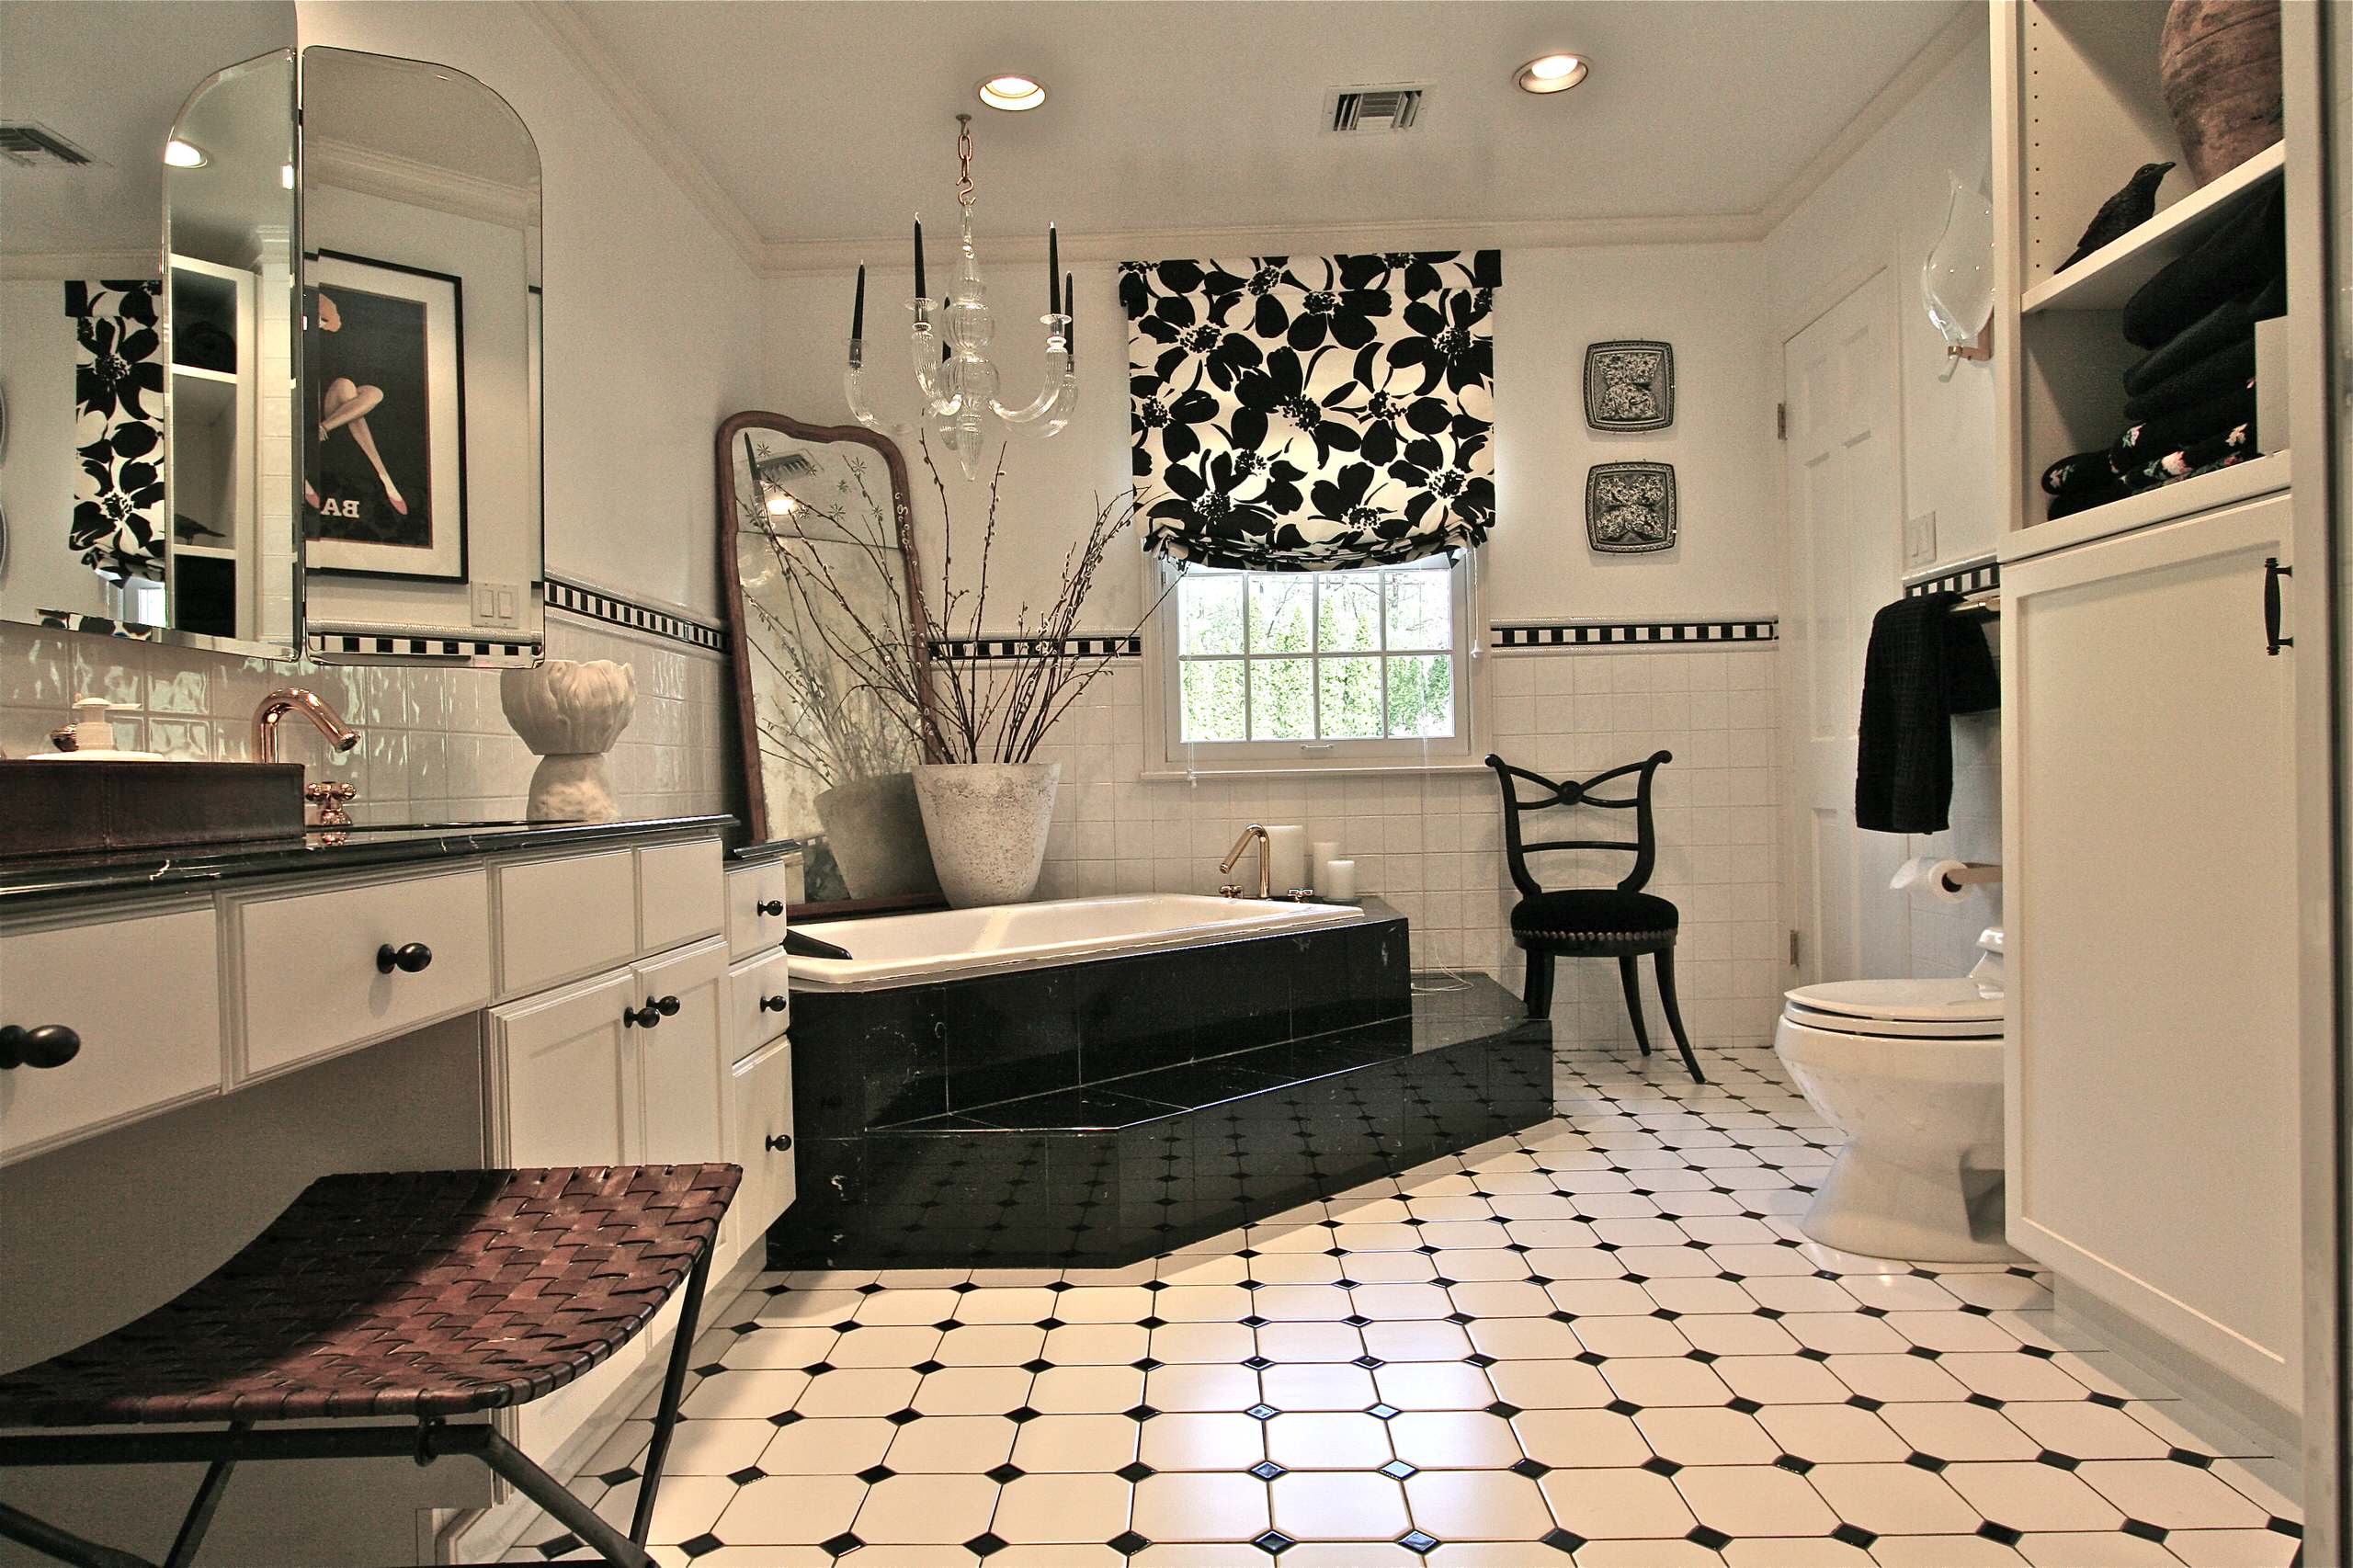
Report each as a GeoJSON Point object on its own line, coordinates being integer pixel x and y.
{"type": "Point", "coordinates": [1911, 1071]}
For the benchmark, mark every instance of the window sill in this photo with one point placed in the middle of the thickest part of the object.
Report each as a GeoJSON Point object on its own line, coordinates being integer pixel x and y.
{"type": "Point", "coordinates": [1306, 771]}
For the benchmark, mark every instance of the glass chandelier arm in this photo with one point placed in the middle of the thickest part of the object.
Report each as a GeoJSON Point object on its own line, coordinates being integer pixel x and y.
{"type": "Point", "coordinates": [1056, 395]}
{"type": "Point", "coordinates": [854, 391]}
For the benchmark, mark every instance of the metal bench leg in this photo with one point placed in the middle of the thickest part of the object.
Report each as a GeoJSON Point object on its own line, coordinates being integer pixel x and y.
{"type": "Point", "coordinates": [673, 1382]}
{"type": "Point", "coordinates": [201, 1510]}
{"type": "Point", "coordinates": [517, 1467]}
{"type": "Point", "coordinates": [64, 1546]}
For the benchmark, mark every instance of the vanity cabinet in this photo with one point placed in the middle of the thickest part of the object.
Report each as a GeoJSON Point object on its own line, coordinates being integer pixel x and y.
{"type": "Point", "coordinates": [2150, 857]}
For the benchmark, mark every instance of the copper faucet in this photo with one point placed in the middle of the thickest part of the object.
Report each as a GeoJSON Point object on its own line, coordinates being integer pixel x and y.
{"type": "Point", "coordinates": [1266, 867]}
{"type": "Point", "coordinates": [286, 699]}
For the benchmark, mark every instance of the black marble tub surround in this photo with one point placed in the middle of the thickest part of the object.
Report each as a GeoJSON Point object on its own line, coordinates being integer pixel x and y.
{"type": "Point", "coordinates": [27, 879]}
{"type": "Point", "coordinates": [1108, 1172]}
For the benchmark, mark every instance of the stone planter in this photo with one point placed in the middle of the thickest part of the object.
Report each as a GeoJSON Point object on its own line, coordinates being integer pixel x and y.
{"type": "Point", "coordinates": [986, 823]}
{"type": "Point", "coordinates": [2218, 63]}
{"type": "Point", "coordinates": [874, 828]}
{"type": "Point", "coordinates": [570, 715]}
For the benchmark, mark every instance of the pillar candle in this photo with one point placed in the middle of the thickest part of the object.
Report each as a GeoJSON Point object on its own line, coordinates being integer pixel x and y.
{"type": "Point", "coordinates": [1340, 881]}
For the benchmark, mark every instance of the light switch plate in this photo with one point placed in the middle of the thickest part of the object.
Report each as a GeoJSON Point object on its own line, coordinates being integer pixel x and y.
{"type": "Point", "coordinates": [1920, 540]}
{"type": "Point", "coordinates": [497, 603]}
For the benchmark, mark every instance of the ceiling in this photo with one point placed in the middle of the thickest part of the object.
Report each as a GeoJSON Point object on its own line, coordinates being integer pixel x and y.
{"type": "Point", "coordinates": [824, 121]}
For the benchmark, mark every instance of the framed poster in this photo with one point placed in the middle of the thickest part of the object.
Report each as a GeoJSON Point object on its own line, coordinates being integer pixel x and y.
{"type": "Point", "coordinates": [384, 491]}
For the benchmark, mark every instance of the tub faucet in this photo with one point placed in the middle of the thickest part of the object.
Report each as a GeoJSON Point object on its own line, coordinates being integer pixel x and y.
{"type": "Point", "coordinates": [1265, 866]}
{"type": "Point", "coordinates": [293, 699]}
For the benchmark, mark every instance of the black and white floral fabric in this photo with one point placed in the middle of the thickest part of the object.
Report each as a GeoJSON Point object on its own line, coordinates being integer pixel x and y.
{"type": "Point", "coordinates": [117, 523]}
{"type": "Point", "coordinates": [1308, 413]}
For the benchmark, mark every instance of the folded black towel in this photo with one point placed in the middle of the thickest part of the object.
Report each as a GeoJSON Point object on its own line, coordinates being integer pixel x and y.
{"type": "Point", "coordinates": [2229, 263]}
{"type": "Point", "coordinates": [1925, 664]}
{"type": "Point", "coordinates": [2219, 450]}
{"type": "Point", "coordinates": [2111, 488]}
{"type": "Point", "coordinates": [2079, 475]}
{"type": "Point", "coordinates": [2166, 432]}
{"type": "Point", "coordinates": [2209, 378]}
{"type": "Point", "coordinates": [2226, 324]}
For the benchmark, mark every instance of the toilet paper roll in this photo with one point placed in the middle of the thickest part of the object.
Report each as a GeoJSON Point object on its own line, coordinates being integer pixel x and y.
{"type": "Point", "coordinates": [1287, 858]}
{"type": "Point", "coordinates": [1925, 878]}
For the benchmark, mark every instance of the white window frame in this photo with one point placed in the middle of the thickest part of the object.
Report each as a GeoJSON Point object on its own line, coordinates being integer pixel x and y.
{"type": "Point", "coordinates": [1168, 755]}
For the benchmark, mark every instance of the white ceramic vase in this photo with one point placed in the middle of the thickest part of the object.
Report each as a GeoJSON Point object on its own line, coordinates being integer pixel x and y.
{"type": "Point", "coordinates": [570, 715]}
{"type": "Point", "coordinates": [988, 824]}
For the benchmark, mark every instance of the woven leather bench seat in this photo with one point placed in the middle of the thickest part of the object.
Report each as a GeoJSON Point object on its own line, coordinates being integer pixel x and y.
{"type": "Point", "coordinates": [426, 1293]}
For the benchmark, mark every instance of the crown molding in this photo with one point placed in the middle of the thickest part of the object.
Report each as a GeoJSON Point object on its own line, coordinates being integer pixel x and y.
{"type": "Point", "coordinates": [662, 143]}
{"type": "Point", "coordinates": [1906, 84]}
{"type": "Point", "coordinates": [785, 257]}
{"type": "Point", "coordinates": [34, 266]}
{"type": "Point", "coordinates": [417, 184]}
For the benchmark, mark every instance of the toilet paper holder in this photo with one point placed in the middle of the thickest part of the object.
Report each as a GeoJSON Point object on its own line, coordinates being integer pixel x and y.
{"type": "Point", "coordinates": [1947, 879]}
{"type": "Point", "coordinates": [1972, 873]}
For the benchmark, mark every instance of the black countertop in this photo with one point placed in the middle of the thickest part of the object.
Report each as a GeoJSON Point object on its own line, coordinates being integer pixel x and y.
{"type": "Point", "coordinates": [31, 878]}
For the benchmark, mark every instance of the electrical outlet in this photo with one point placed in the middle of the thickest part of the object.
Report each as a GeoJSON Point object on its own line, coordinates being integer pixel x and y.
{"type": "Point", "coordinates": [1920, 540]}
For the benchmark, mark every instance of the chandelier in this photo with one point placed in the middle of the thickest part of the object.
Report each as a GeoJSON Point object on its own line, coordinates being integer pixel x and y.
{"type": "Point", "coordinates": [956, 381]}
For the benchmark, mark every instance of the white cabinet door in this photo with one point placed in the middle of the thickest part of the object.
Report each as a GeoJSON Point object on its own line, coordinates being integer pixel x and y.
{"type": "Point", "coordinates": [682, 1051]}
{"type": "Point", "coordinates": [760, 1140]}
{"type": "Point", "coordinates": [2152, 1064]}
{"type": "Point", "coordinates": [562, 919]}
{"type": "Point", "coordinates": [679, 896]}
{"type": "Point", "coordinates": [757, 895]}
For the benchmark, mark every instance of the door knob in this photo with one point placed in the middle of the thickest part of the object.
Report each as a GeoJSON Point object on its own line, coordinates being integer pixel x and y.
{"type": "Point", "coordinates": [772, 1004]}
{"type": "Point", "coordinates": [771, 906]}
{"type": "Point", "coordinates": [408, 957]}
{"type": "Point", "coordinates": [665, 1006]}
{"type": "Point", "coordinates": [47, 1045]}
{"type": "Point", "coordinates": [779, 1142]}
{"type": "Point", "coordinates": [646, 1017]}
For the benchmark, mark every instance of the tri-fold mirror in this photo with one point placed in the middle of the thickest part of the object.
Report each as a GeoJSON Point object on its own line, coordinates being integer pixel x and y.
{"type": "Point", "coordinates": [310, 421]}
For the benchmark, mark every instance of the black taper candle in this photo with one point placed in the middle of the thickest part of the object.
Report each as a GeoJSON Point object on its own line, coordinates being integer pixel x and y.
{"type": "Point", "coordinates": [1053, 270]}
{"type": "Point", "coordinates": [920, 291]}
{"type": "Point", "coordinates": [858, 311]}
{"type": "Point", "coordinates": [1070, 299]}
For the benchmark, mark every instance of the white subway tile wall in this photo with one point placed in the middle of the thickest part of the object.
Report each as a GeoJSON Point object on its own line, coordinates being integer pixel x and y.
{"type": "Point", "coordinates": [436, 745]}
{"type": "Point", "coordinates": [1431, 843]}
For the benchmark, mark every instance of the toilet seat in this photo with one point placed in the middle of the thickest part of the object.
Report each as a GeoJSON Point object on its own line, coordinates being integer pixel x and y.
{"type": "Point", "coordinates": [1897, 1009]}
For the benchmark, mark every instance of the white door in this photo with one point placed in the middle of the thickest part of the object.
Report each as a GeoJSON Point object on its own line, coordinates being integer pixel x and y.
{"type": "Point", "coordinates": [1845, 525]}
{"type": "Point", "coordinates": [683, 1055]}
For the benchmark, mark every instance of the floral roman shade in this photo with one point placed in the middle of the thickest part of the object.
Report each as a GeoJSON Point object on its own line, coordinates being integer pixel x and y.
{"type": "Point", "coordinates": [1306, 413]}
{"type": "Point", "coordinates": [118, 523]}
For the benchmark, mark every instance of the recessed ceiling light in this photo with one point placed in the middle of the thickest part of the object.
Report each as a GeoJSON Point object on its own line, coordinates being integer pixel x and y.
{"type": "Point", "coordinates": [1552, 73]}
{"type": "Point", "coordinates": [182, 154]}
{"type": "Point", "coordinates": [1012, 92]}
{"type": "Point", "coordinates": [782, 505]}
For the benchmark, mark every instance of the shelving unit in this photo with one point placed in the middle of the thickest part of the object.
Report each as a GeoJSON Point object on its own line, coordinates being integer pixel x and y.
{"type": "Point", "coordinates": [2104, 279]}
{"type": "Point", "coordinates": [215, 426]}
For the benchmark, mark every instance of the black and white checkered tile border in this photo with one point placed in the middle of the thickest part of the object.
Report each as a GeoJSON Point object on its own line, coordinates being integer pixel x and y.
{"type": "Point", "coordinates": [597, 604]}
{"type": "Point", "coordinates": [1974, 577]}
{"type": "Point", "coordinates": [1628, 633]}
{"type": "Point", "coordinates": [1123, 646]}
{"type": "Point", "coordinates": [329, 643]}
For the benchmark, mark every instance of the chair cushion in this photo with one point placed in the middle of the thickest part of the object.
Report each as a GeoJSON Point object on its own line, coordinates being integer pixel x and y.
{"type": "Point", "coordinates": [1597, 916]}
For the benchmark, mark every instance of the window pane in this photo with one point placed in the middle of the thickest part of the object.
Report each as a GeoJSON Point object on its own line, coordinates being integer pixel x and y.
{"type": "Point", "coordinates": [1212, 699]}
{"type": "Point", "coordinates": [1421, 609]}
{"type": "Point", "coordinates": [1350, 615]}
{"type": "Point", "coordinates": [1282, 702]}
{"type": "Point", "coordinates": [1421, 696]}
{"type": "Point", "coordinates": [1351, 691]}
{"type": "Point", "coordinates": [1279, 612]}
{"type": "Point", "coordinates": [1210, 610]}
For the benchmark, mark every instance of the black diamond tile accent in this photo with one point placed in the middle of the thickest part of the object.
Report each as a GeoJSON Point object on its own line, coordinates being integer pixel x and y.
{"type": "Point", "coordinates": [1984, 1402]}
{"type": "Point", "coordinates": [1624, 1407]}
{"type": "Point", "coordinates": [1532, 1469]}
{"type": "Point", "coordinates": [1006, 1473]}
{"type": "Point", "coordinates": [1132, 1473]}
{"type": "Point", "coordinates": [1714, 1540]}
{"type": "Point", "coordinates": [616, 1477]}
{"type": "Point", "coordinates": [1564, 1541]}
{"type": "Point", "coordinates": [1929, 1462]}
{"type": "Point", "coordinates": [2002, 1533]}
{"type": "Point", "coordinates": [1793, 1463]}
{"type": "Point", "coordinates": [1700, 1356]}
{"type": "Point", "coordinates": [985, 1545]}
{"type": "Point", "coordinates": [1811, 1354]}
{"type": "Point", "coordinates": [711, 1371]}
{"type": "Point", "coordinates": [874, 1476]}
{"type": "Point", "coordinates": [1420, 1541]}
{"type": "Point", "coordinates": [818, 1369]}
{"type": "Point", "coordinates": [1267, 1470]}
{"type": "Point", "coordinates": [1590, 1359]}
{"type": "Point", "coordinates": [1924, 1353]}
{"type": "Point", "coordinates": [1147, 1365]}
{"type": "Point", "coordinates": [702, 1545]}
{"type": "Point", "coordinates": [1453, 1318]}
{"type": "Point", "coordinates": [1274, 1543]}
{"type": "Point", "coordinates": [1253, 1321]}
{"type": "Point", "coordinates": [1127, 1543]}
{"type": "Point", "coordinates": [1503, 1409]}
{"type": "Point", "coordinates": [1140, 1413]}
{"type": "Point", "coordinates": [841, 1545]}
{"type": "Point", "coordinates": [1745, 1406]}
{"type": "Point", "coordinates": [1049, 1325]}
{"type": "Point", "coordinates": [945, 1324]}
{"type": "Point", "coordinates": [1356, 1320]}
{"type": "Point", "coordinates": [558, 1545]}
{"type": "Point", "coordinates": [2279, 1526]}
{"type": "Point", "coordinates": [870, 1288]}
{"type": "Point", "coordinates": [1263, 1412]}
{"type": "Point", "coordinates": [2110, 1400]}
{"type": "Point", "coordinates": [1151, 1323]}
{"type": "Point", "coordinates": [2052, 1456]}
{"type": "Point", "coordinates": [901, 1417]}
{"type": "Point", "coordinates": [2183, 1456]}
{"type": "Point", "coordinates": [927, 1367]}
{"type": "Point", "coordinates": [1658, 1466]}
{"type": "Point", "coordinates": [2143, 1528]}
{"type": "Point", "coordinates": [785, 1417]}
{"type": "Point", "coordinates": [1383, 1410]}
{"type": "Point", "coordinates": [1864, 1402]}
{"type": "Point", "coordinates": [1369, 1362]}
{"type": "Point", "coordinates": [1398, 1469]}
{"type": "Point", "coordinates": [1476, 1360]}
{"type": "Point", "coordinates": [1016, 1416]}
{"type": "Point", "coordinates": [1036, 1366]}
{"type": "Point", "coordinates": [748, 1474]}
{"type": "Point", "coordinates": [2039, 1352]}
{"type": "Point", "coordinates": [1854, 1536]}
{"type": "Point", "coordinates": [1257, 1363]}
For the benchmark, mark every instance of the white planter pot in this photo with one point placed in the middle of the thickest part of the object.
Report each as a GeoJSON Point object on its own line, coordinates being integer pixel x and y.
{"type": "Point", "coordinates": [570, 715]}
{"type": "Point", "coordinates": [988, 824]}
{"type": "Point", "coordinates": [875, 830]}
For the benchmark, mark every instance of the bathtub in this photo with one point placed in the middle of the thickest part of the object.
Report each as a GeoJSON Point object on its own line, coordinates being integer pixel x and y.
{"type": "Point", "coordinates": [901, 949]}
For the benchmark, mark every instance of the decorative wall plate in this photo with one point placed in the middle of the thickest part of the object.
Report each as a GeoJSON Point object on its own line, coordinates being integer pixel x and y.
{"type": "Point", "coordinates": [1630, 507]}
{"type": "Point", "coordinates": [1628, 385]}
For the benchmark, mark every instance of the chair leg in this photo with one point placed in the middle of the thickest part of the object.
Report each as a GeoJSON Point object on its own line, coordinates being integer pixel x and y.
{"type": "Point", "coordinates": [1633, 982]}
{"type": "Point", "coordinates": [1539, 993]}
{"type": "Point", "coordinates": [201, 1510]}
{"type": "Point", "coordinates": [1664, 960]}
{"type": "Point", "coordinates": [666, 1417]}
{"type": "Point", "coordinates": [64, 1545]}
{"type": "Point", "coordinates": [617, 1549]}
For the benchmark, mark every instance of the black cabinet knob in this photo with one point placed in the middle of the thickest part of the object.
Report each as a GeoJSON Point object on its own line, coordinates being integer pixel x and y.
{"type": "Point", "coordinates": [408, 957]}
{"type": "Point", "coordinates": [772, 1004]}
{"type": "Point", "coordinates": [665, 1006]}
{"type": "Point", "coordinates": [771, 906]}
{"type": "Point", "coordinates": [779, 1142]}
{"type": "Point", "coordinates": [644, 1017]}
{"type": "Point", "coordinates": [48, 1045]}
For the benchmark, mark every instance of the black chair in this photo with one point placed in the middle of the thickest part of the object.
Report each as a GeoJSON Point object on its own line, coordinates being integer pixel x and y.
{"type": "Point", "coordinates": [1623, 922]}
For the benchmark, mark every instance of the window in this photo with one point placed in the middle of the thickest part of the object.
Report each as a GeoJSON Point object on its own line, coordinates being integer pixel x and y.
{"type": "Point", "coordinates": [1275, 668]}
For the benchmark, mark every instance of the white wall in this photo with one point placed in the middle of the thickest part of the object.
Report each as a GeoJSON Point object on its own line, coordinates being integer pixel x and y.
{"type": "Point", "coordinates": [1885, 208]}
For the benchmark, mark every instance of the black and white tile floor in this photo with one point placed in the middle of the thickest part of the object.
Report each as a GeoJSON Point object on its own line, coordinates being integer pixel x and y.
{"type": "Point", "coordinates": [1602, 1342]}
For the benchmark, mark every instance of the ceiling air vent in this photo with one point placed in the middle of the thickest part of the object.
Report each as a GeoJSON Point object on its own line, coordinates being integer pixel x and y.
{"type": "Point", "coordinates": [1393, 105]}
{"type": "Point", "coordinates": [787, 465]}
{"type": "Point", "coordinates": [38, 147]}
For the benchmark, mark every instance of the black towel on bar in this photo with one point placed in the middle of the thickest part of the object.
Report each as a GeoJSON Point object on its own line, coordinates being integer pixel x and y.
{"type": "Point", "coordinates": [2233, 261]}
{"type": "Point", "coordinates": [1925, 664]}
{"type": "Point", "coordinates": [2210, 378]}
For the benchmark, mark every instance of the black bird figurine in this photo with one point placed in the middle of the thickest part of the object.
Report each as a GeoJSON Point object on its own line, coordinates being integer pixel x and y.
{"type": "Point", "coordinates": [189, 530]}
{"type": "Point", "coordinates": [2127, 208]}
